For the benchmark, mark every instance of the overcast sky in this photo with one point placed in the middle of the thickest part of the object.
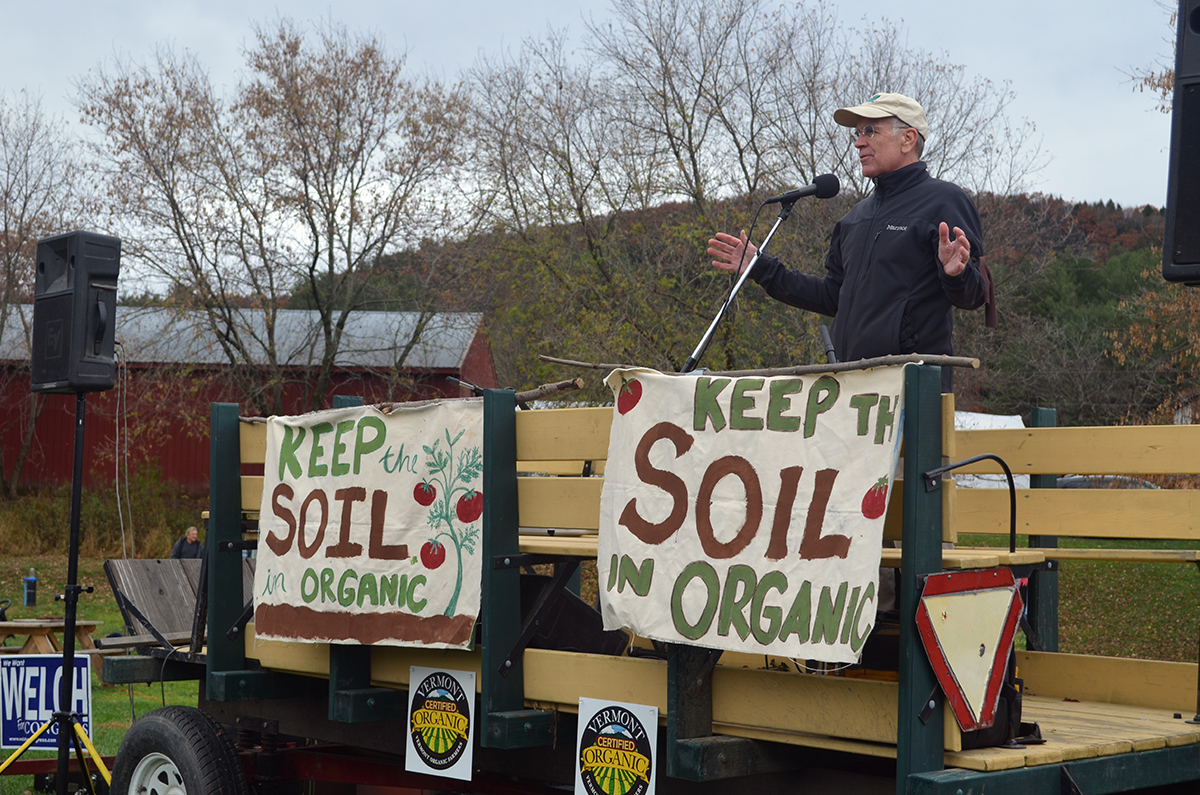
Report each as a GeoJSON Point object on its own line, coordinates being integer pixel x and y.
{"type": "Point", "coordinates": [1067, 60]}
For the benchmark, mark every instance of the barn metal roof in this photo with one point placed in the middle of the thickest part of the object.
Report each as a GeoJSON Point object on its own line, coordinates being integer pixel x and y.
{"type": "Point", "coordinates": [371, 339]}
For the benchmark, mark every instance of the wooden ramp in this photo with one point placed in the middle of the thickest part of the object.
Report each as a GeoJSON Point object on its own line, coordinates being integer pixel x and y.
{"type": "Point", "coordinates": [164, 592]}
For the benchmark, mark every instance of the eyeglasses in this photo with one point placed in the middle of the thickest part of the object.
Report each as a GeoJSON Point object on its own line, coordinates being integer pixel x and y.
{"type": "Point", "coordinates": [869, 130]}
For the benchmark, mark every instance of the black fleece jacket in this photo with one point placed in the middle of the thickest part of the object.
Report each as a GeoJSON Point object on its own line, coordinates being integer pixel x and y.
{"type": "Point", "coordinates": [884, 286]}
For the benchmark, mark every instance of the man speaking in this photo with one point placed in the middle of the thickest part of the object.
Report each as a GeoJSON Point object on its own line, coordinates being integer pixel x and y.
{"type": "Point", "coordinates": [899, 261]}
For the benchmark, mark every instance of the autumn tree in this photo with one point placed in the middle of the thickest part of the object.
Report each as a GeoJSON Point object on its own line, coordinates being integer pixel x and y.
{"type": "Point", "coordinates": [39, 193]}
{"type": "Point", "coordinates": [325, 158]}
{"type": "Point", "coordinates": [599, 172]}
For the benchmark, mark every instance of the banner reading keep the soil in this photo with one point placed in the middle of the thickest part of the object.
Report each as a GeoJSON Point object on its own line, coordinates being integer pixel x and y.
{"type": "Point", "coordinates": [370, 525]}
{"type": "Point", "coordinates": [747, 514]}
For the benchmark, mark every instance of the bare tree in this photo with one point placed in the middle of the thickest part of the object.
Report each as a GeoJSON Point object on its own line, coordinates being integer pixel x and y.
{"type": "Point", "coordinates": [325, 159]}
{"type": "Point", "coordinates": [39, 195]}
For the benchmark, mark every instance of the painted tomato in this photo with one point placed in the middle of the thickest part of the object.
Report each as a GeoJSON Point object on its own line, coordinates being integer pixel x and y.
{"type": "Point", "coordinates": [875, 500]}
{"type": "Point", "coordinates": [470, 506]}
{"type": "Point", "coordinates": [433, 554]}
{"type": "Point", "coordinates": [630, 394]}
{"type": "Point", "coordinates": [424, 493]}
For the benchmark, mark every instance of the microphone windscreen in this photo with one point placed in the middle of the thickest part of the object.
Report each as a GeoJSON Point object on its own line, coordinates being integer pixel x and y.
{"type": "Point", "coordinates": [827, 186]}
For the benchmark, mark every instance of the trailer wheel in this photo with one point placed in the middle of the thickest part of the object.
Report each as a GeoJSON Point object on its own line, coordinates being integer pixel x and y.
{"type": "Point", "coordinates": [177, 751]}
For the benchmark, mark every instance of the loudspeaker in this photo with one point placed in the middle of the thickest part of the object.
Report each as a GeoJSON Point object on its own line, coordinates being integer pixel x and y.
{"type": "Point", "coordinates": [74, 306]}
{"type": "Point", "coordinates": [1181, 243]}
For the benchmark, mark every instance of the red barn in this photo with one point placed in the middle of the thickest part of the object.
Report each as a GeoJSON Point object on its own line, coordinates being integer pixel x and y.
{"type": "Point", "coordinates": [171, 366]}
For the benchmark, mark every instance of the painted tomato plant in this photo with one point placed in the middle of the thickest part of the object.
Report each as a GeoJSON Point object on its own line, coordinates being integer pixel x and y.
{"type": "Point", "coordinates": [433, 554]}
{"type": "Point", "coordinates": [454, 506]}
{"type": "Point", "coordinates": [470, 506]}
{"type": "Point", "coordinates": [875, 500]}
{"type": "Point", "coordinates": [424, 493]}
{"type": "Point", "coordinates": [629, 395]}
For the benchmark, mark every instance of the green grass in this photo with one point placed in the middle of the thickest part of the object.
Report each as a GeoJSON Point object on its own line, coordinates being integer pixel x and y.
{"type": "Point", "coordinates": [112, 711]}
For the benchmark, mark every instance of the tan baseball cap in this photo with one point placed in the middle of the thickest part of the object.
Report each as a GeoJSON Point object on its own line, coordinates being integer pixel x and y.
{"type": "Point", "coordinates": [882, 106]}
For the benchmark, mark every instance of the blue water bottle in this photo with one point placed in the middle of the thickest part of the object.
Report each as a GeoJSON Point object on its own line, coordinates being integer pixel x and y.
{"type": "Point", "coordinates": [31, 589]}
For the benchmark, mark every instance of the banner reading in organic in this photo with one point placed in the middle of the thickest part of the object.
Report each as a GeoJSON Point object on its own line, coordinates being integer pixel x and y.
{"type": "Point", "coordinates": [747, 513]}
{"type": "Point", "coordinates": [370, 525]}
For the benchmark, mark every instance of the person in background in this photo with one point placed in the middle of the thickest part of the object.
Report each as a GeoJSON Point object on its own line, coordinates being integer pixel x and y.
{"type": "Point", "coordinates": [189, 546]}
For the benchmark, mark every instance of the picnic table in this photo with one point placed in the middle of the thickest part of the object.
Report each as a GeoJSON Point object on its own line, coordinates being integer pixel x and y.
{"type": "Point", "coordinates": [42, 636]}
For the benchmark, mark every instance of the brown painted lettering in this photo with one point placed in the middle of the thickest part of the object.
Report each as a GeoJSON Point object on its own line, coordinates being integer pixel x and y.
{"type": "Point", "coordinates": [650, 532]}
{"type": "Point", "coordinates": [716, 472]}
{"type": "Point", "coordinates": [815, 546]}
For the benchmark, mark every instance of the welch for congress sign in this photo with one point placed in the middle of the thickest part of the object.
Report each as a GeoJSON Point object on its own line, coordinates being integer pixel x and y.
{"type": "Point", "coordinates": [370, 525]}
{"type": "Point", "coordinates": [30, 693]}
{"type": "Point", "coordinates": [747, 513]}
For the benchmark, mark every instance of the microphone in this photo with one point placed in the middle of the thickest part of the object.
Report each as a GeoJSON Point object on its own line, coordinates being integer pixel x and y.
{"type": "Point", "coordinates": [825, 186]}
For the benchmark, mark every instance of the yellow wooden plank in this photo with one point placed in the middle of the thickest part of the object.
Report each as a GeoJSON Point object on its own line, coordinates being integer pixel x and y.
{"type": "Point", "coordinates": [1147, 449]}
{"type": "Point", "coordinates": [881, 750]}
{"type": "Point", "coordinates": [557, 434]}
{"type": "Point", "coordinates": [1086, 513]}
{"type": "Point", "coordinates": [252, 489]}
{"type": "Point", "coordinates": [973, 557]}
{"type": "Point", "coordinates": [562, 677]}
{"type": "Point", "coordinates": [578, 546]}
{"type": "Point", "coordinates": [835, 706]}
{"type": "Point", "coordinates": [1147, 683]}
{"type": "Point", "coordinates": [1127, 555]}
{"type": "Point", "coordinates": [572, 503]}
{"type": "Point", "coordinates": [252, 439]}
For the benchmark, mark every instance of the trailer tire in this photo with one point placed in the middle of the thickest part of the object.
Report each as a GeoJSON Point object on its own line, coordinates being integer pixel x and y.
{"type": "Point", "coordinates": [178, 751]}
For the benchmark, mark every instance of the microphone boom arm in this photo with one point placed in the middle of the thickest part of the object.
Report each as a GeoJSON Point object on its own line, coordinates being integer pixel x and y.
{"type": "Point", "coordinates": [694, 359]}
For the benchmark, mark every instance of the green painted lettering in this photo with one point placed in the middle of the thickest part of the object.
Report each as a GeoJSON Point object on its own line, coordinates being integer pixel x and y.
{"type": "Point", "coordinates": [287, 452]}
{"type": "Point", "coordinates": [368, 590]}
{"type": "Point", "coordinates": [773, 613]}
{"type": "Point", "coordinates": [706, 406]}
{"type": "Point", "coordinates": [362, 445]}
{"type": "Point", "coordinates": [797, 621]}
{"type": "Point", "coordinates": [414, 604]}
{"type": "Point", "coordinates": [886, 420]}
{"type": "Point", "coordinates": [327, 585]}
{"type": "Point", "coordinates": [346, 592]}
{"type": "Point", "coordinates": [339, 467]}
{"type": "Point", "coordinates": [740, 583]}
{"type": "Point", "coordinates": [821, 397]}
{"type": "Point", "coordinates": [707, 575]}
{"type": "Point", "coordinates": [316, 470]}
{"type": "Point", "coordinates": [309, 585]}
{"type": "Point", "coordinates": [740, 403]}
{"type": "Point", "coordinates": [829, 615]}
{"type": "Point", "coordinates": [780, 402]}
{"type": "Point", "coordinates": [637, 577]}
{"type": "Point", "coordinates": [864, 403]}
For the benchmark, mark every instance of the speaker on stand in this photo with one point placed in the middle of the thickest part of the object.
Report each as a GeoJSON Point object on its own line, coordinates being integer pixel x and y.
{"type": "Point", "coordinates": [1181, 243]}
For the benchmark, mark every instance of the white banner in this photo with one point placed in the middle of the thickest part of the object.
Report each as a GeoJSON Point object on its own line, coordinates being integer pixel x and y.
{"type": "Point", "coordinates": [369, 528]}
{"type": "Point", "coordinates": [747, 514]}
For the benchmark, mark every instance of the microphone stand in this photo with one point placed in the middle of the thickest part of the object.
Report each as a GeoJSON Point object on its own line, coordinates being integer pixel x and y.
{"type": "Point", "coordinates": [688, 366]}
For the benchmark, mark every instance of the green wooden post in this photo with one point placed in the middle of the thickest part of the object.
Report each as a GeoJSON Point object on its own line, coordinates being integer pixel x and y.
{"type": "Point", "coordinates": [226, 676]}
{"type": "Point", "coordinates": [506, 723]}
{"type": "Point", "coordinates": [1043, 585]}
{"type": "Point", "coordinates": [918, 745]}
{"type": "Point", "coordinates": [225, 598]}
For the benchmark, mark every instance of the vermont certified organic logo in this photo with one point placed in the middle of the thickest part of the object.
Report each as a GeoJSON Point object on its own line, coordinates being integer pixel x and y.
{"type": "Point", "coordinates": [441, 720]}
{"type": "Point", "coordinates": [615, 754]}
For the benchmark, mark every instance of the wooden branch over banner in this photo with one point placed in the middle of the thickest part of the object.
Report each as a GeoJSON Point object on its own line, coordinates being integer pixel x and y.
{"type": "Point", "coordinates": [545, 390]}
{"type": "Point", "coordinates": [840, 367]}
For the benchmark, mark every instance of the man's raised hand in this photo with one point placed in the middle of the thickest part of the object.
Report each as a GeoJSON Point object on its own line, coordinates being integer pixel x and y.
{"type": "Point", "coordinates": [728, 252]}
{"type": "Point", "coordinates": [953, 253]}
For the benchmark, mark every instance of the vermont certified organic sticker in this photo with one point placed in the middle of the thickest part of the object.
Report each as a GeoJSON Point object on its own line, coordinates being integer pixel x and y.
{"type": "Point", "coordinates": [616, 748]}
{"type": "Point", "coordinates": [440, 727]}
